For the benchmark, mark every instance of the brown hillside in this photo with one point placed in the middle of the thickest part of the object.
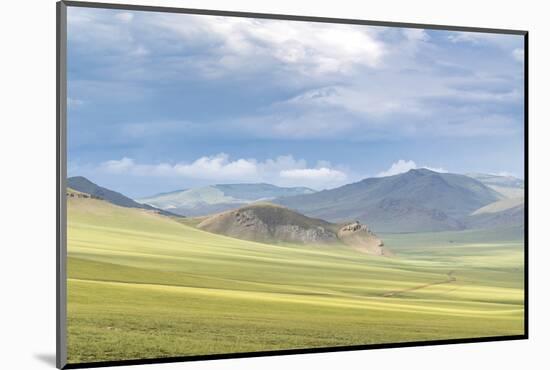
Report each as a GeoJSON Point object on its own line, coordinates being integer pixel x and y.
{"type": "Point", "coordinates": [270, 223]}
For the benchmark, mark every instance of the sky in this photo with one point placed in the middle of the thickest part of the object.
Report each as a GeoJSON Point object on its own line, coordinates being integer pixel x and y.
{"type": "Point", "coordinates": [159, 102]}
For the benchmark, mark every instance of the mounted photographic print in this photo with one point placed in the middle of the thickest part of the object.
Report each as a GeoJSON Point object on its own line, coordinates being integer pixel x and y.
{"type": "Point", "coordinates": [238, 184]}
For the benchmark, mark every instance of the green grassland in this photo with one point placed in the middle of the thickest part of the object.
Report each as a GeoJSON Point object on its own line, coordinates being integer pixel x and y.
{"type": "Point", "coordinates": [143, 285]}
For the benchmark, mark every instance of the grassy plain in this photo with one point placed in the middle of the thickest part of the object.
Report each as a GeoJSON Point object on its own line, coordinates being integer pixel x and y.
{"type": "Point", "coordinates": [146, 286]}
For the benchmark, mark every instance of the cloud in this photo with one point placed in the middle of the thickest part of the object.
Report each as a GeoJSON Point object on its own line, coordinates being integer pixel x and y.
{"type": "Point", "coordinates": [208, 167]}
{"type": "Point", "coordinates": [216, 47]}
{"type": "Point", "coordinates": [415, 34]}
{"type": "Point", "coordinates": [398, 167]}
{"type": "Point", "coordinates": [323, 174]}
{"type": "Point", "coordinates": [305, 47]}
{"type": "Point", "coordinates": [507, 43]}
{"type": "Point", "coordinates": [360, 111]}
{"type": "Point", "coordinates": [218, 166]}
{"type": "Point", "coordinates": [402, 166]}
{"type": "Point", "coordinates": [467, 37]}
{"type": "Point", "coordinates": [283, 170]}
{"type": "Point", "coordinates": [119, 166]}
{"type": "Point", "coordinates": [481, 38]}
{"type": "Point", "coordinates": [336, 70]}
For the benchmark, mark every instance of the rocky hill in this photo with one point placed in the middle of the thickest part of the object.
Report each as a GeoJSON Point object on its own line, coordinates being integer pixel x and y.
{"type": "Point", "coordinates": [268, 223]}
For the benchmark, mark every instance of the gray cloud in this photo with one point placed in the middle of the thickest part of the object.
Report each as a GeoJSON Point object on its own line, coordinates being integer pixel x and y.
{"type": "Point", "coordinates": [359, 81]}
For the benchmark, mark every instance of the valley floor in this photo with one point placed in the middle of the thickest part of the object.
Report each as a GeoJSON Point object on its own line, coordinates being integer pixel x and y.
{"type": "Point", "coordinates": [146, 286]}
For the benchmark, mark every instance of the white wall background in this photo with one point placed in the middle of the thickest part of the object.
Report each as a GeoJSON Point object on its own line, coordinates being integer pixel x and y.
{"type": "Point", "coordinates": [27, 145]}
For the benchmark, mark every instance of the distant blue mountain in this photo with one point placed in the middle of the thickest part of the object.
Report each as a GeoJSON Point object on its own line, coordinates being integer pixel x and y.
{"type": "Point", "coordinates": [216, 198]}
{"type": "Point", "coordinates": [418, 200]}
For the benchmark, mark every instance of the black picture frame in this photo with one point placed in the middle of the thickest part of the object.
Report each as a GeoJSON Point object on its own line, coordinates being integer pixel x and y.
{"type": "Point", "coordinates": [61, 175]}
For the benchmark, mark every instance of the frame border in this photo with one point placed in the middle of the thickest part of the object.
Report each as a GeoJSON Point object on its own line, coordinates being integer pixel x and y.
{"type": "Point", "coordinates": [61, 173]}
{"type": "Point", "coordinates": [288, 17]}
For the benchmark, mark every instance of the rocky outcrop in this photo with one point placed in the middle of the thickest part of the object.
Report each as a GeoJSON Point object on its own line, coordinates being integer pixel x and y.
{"type": "Point", "coordinates": [360, 237]}
{"type": "Point", "coordinates": [71, 193]}
{"type": "Point", "coordinates": [317, 235]}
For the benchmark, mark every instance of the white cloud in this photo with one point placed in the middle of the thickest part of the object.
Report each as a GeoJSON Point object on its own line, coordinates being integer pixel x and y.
{"type": "Point", "coordinates": [477, 38]}
{"type": "Point", "coordinates": [499, 41]}
{"type": "Point", "coordinates": [212, 167]}
{"type": "Point", "coordinates": [119, 166]}
{"type": "Point", "coordinates": [223, 45]}
{"type": "Point", "coordinates": [402, 166]}
{"type": "Point", "coordinates": [398, 167]}
{"type": "Point", "coordinates": [305, 47]}
{"type": "Point", "coordinates": [462, 107]}
{"type": "Point", "coordinates": [283, 170]}
{"type": "Point", "coordinates": [415, 34]}
{"type": "Point", "coordinates": [316, 175]}
{"type": "Point", "coordinates": [469, 37]}
{"type": "Point", "coordinates": [360, 99]}
{"type": "Point", "coordinates": [218, 166]}
{"type": "Point", "coordinates": [357, 81]}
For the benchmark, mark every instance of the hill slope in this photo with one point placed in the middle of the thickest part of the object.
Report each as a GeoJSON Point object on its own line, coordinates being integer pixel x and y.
{"type": "Point", "coordinates": [500, 205]}
{"type": "Point", "coordinates": [83, 185]}
{"type": "Point", "coordinates": [505, 212]}
{"type": "Point", "coordinates": [419, 200]}
{"type": "Point", "coordinates": [506, 186]}
{"type": "Point", "coordinates": [270, 223]}
{"type": "Point", "coordinates": [217, 198]}
{"type": "Point", "coordinates": [133, 274]}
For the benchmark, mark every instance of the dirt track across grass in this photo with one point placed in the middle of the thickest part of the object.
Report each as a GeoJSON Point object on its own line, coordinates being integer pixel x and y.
{"type": "Point", "coordinates": [450, 279]}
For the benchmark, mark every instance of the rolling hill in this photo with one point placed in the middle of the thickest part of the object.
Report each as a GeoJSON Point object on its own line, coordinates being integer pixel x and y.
{"type": "Point", "coordinates": [506, 186]}
{"type": "Point", "coordinates": [269, 223]}
{"type": "Point", "coordinates": [415, 201]}
{"type": "Point", "coordinates": [83, 185]}
{"type": "Point", "coordinates": [137, 280]}
{"type": "Point", "coordinates": [502, 213]}
{"type": "Point", "coordinates": [217, 198]}
{"type": "Point", "coordinates": [508, 211]}
{"type": "Point", "coordinates": [499, 206]}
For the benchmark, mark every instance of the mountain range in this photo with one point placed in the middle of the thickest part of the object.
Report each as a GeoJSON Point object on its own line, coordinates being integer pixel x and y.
{"type": "Point", "coordinates": [418, 200]}
{"type": "Point", "coordinates": [217, 198]}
